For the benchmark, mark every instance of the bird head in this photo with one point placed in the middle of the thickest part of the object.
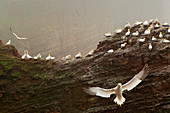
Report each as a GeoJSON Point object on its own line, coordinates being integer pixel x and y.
{"type": "Point", "coordinates": [49, 55]}
{"type": "Point", "coordinates": [150, 44]}
{"type": "Point", "coordinates": [148, 29]}
{"type": "Point", "coordinates": [120, 28]}
{"type": "Point", "coordinates": [119, 85]}
{"type": "Point", "coordinates": [27, 51]}
{"type": "Point", "coordinates": [128, 29]}
{"type": "Point", "coordinates": [160, 33]}
{"type": "Point", "coordinates": [153, 37]}
{"type": "Point", "coordinates": [169, 28]}
{"type": "Point", "coordinates": [144, 38]}
{"type": "Point", "coordinates": [125, 43]}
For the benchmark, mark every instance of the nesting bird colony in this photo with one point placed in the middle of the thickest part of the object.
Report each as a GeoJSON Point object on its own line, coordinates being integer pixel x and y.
{"type": "Point", "coordinates": [144, 32]}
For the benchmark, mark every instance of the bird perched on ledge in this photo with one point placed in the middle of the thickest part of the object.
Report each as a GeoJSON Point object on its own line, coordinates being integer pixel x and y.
{"type": "Point", "coordinates": [118, 90]}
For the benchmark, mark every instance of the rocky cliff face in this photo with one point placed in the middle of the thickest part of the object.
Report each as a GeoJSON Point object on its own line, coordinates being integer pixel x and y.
{"type": "Point", "coordinates": [56, 86]}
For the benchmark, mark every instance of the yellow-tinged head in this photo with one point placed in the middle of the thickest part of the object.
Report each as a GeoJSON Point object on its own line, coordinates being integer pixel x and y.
{"type": "Point", "coordinates": [125, 43]}
{"type": "Point", "coordinates": [169, 28]}
{"type": "Point", "coordinates": [144, 38]}
{"type": "Point", "coordinates": [49, 55]}
{"type": "Point", "coordinates": [119, 85]}
{"type": "Point", "coordinates": [160, 33]}
{"type": "Point", "coordinates": [128, 29]}
{"type": "Point", "coordinates": [150, 44]}
{"type": "Point", "coordinates": [120, 28]}
{"type": "Point", "coordinates": [27, 51]}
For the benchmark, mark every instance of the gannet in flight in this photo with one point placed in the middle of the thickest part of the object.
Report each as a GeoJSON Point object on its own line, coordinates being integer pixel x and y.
{"type": "Point", "coordinates": [8, 43]}
{"type": "Point", "coordinates": [19, 38]}
{"type": "Point", "coordinates": [118, 90]}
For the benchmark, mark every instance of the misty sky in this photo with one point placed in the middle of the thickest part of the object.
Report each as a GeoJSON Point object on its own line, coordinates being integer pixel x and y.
{"type": "Point", "coordinates": [63, 27]}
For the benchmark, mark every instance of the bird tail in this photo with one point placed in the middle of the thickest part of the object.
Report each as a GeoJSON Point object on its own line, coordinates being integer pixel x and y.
{"type": "Point", "coordinates": [119, 101]}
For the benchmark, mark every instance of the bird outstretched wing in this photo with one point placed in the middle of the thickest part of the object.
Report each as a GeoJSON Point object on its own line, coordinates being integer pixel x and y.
{"type": "Point", "coordinates": [136, 79]}
{"type": "Point", "coordinates": [17, 35]}
{"type": "Point", "coordinates": [99, 91]}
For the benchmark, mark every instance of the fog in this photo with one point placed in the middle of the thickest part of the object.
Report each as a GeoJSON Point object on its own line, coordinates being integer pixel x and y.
{"type": "Point", "coordinates": [63, 27]}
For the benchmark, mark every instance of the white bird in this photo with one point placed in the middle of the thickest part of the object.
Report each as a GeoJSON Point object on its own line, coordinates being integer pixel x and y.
{"type": "Point", "coordinates": [110, 51]}
{"type": "Point", "coordinates": [165, 40]}
{"type": "Point", "coordinates": [49, 57]}
{"type": "Point", "coordinates": [123, 45]}
{"type": "Point", "coordinates": [150, 46]}
{"type": "Point", "coordinates": [9, 42]}
{"type": "Point", "coordinates": [165, 24]}
{"type": "Point", "coordinates": [142, 40]}
{"type": "Point", "coordinates": [78, 55]}
{"type": "Point", "coordinates": [145, 23]}
{"type": "Point", "coordinates": [118, 90]}
{"type": "Point", "coordinates": [127, 25]}
{"type": "Point", "coordinates": [119, 30]}
{"type": "Point", "coordinates": [68, 57]}
{"type": "Point", "coordinates": [28, 56]}
{"type": "Point", "coordinates": [157, 25]}
{"type": "Point", "coordinates": [148, 31]}
{"type": "Point", "coordinates": [90, 53]}
{"type": "Point", "coordinates": [127, 33]}
{"type": "Point", "coordinates": [153, 38]}
{"type": "Point", "coordinates": [24, 56]}
{"type": "Point", "coordinates": [38, 56]}
{"type": "Point", "coordinates": [19, 38]}
{"type": "Point", "coordinates": [152, 20]}
{"type": "Point", "coordinates": [160, 35]}
{"type": "Point", "coordinates": [135, 33]}
{"type": "Point", "coordinates": [169, 30]}
{"type": "Point", "coordinates": [138, 23]}
{"type": "Point", "coordinates": [108, 34]}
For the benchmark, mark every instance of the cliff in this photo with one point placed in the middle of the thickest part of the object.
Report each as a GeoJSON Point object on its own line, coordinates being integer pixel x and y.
{"type": "Point", "coordinates": [56, 86]}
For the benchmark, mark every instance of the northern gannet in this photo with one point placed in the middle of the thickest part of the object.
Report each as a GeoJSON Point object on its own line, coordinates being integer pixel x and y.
{"type": "Point", "coordinates": [142, 40]}
{"type": "Point", "coordinates": [138, 23]}
{"type": "Point", "coordinates": [28, 56]}
{"type": "Point", "coordinates": [19, 38]}
{"type": "Point", "coordinates": [123, 45]}
{"type": "Point", "coordinates": [127, 24]}
{"type": "Point", "coordinates": [68, 57]}
{"type": "Point", "coordinates": [165, 41]}
{"type": "Point", "coordinates": [38, 56]}
{"type": "Point", "coordinates": [165, 24]}
{"type": "Point", "coordinates": [108, 34]}
{"type": "Point", "coordinates": [153, 38]}
{"type": "Point", "coordinates": [127, 33]}
{"type": "Point", "coordinates": [145, 23]}
{"type": "Point", "coordinates": [135, 33]}
{"type": "Point", "coordinates": [9, 42]}
{"type": "Point", "coordinates": [49, 57]}
{"type": "Point", "coordinates": [24, 56]}
{"type": "Point", "coordinates": [157, 25]}
{"type": "Point", "coordinates": [90, 53]}
{"type": "Point", "coordinates": [152, 20]}
{"type": "Point", "coordinates": [148, 31]}
{"type": "Point", "coordinates": [78, 55]}
{"type": "Point", "coordinates": [118, 90]}
{"type": "Point", "coordinates": [150, 46]}
{"type": "Point", "coordinates": [119, 30]}
{"type": "Point", "coordinates": [169, 30]}
{"type": "Point", "coordinates": [110, 51]}
{"type": "Point", "coordinates": [160, 35]}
